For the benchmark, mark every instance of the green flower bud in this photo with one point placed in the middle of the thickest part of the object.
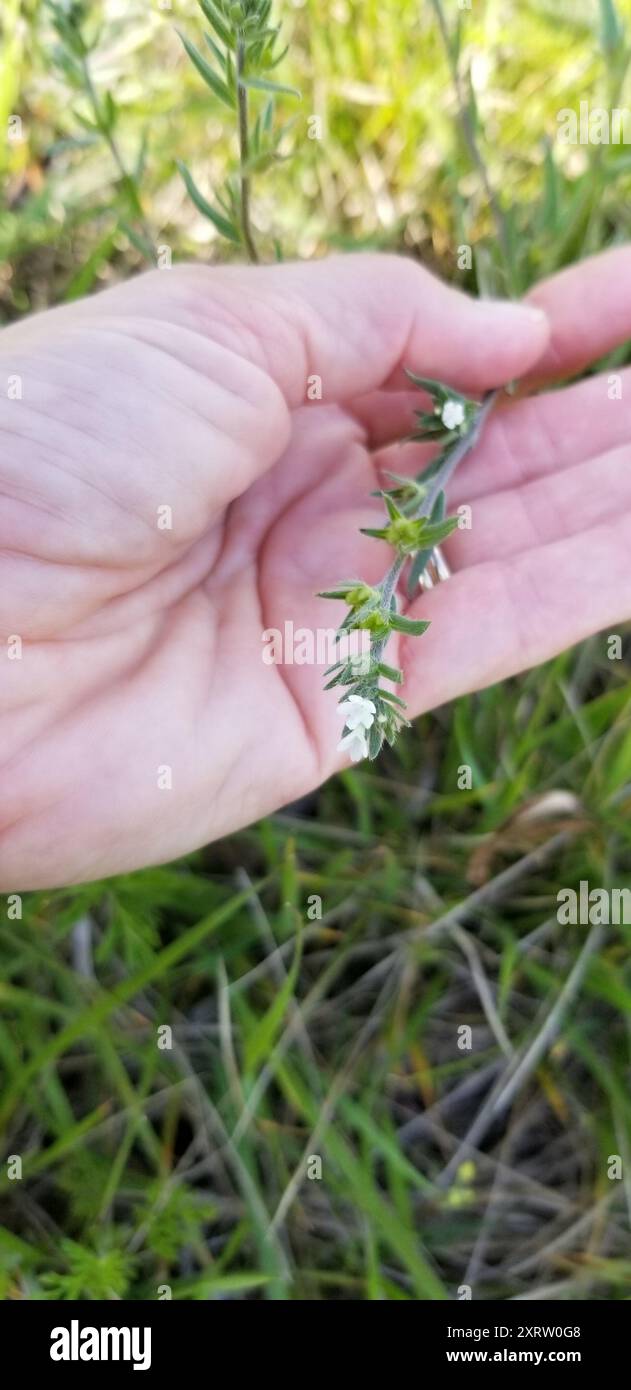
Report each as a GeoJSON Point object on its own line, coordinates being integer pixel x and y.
{"type": "Point", "coordinates": [375, 623]}
{"type": "Point", "coordinates": [402, 533]}
{"type": "Point", "coordinates": [360, 595]}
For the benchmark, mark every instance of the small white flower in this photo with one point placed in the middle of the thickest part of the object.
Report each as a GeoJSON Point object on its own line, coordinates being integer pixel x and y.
{"type": "Point", "coordinates": [354, 744]}
{"type": "Point", "coordinates": [358, 712]}
{"type": "Point", "coordinates": [453, 415]}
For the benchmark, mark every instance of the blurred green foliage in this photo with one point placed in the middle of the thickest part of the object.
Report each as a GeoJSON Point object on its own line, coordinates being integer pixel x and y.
{"type": "Point", "coordinates": [389, 170]}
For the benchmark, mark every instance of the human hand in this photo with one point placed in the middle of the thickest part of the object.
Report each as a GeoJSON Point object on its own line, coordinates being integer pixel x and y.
{"type": "Point", "coordinates": [186, 389]}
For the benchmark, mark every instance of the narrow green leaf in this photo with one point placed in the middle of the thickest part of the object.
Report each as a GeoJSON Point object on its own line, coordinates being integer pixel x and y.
{"type": "Point", "coordinates": [221, 223]}
{"type": "Point", "coordinates": [472, 103]}
{"type": "Point", "coordinates": [110, 111]}
{"type": "Point", "coordinates": [261, 1039]}
{"type": "Point", "coordinates": [140, 242]}
{"type": "Point", "coordinates": [423, 557]}
{"type": "Point", "coordinates": [87, 122]}
{"type": "Point", "coordinates": [408, 625]}
{"type": "Point", "coordinates": [215, 49]}
{"type": "Point", "coordinates": [427, 383]}
{"type": "Point", "coordinates": [344, 677]}
{"type": "Point", "coordinates": [611, 31]}
{"type": "Point", "coordinates": [550, 204]}
{"type": "Point", "coordinates": [216, 84]}
{"type": "Point", "coordinates": [426, 474]}
{"type": "Point", "coordinates": [217, 21]}
{"type": "Point", "coordinates": [262, 84]}
{"type": "Point", "coordinates": [391, 673]}
{"type": "Point", "coordinates": [279, 57]}
{"type": "Point", "coordinates": [356, 616]}
{"type": "Point", "coordinates": [435, 532]}
{"type": "Point", "coordinates": [392, 698]}
{"type": "Point", "coordinates": [375, 741]}
{"type": "Point", "coordinates": [419, 564]}
{"type": "Point", "coordinates": [342, 586]}
{"type": "Point", "coordinates": [270, 155]}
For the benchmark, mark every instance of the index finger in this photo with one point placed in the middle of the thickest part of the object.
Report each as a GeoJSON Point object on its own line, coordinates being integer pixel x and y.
{"type": "Point", "coordinates": [589, 308]}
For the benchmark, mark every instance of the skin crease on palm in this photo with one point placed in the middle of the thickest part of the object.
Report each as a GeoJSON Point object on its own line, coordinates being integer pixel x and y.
{"type": "Point", "coordinates": [187, 388]}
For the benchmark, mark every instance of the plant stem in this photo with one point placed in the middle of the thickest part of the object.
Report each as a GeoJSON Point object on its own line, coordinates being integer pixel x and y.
{"type": "Point", "coordinates": [456, 455]}
{"type": "Point", "coordinates": [475, 155]}
{"type": "Point", "coordinates": [244, 149]}
{"type": "Point", "coordinates": [388, 584]}
{"type": "Point", "coordinates": [439, 481]}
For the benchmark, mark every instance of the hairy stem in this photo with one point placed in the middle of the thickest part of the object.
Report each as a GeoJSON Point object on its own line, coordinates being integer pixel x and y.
{"type": "Point", "coordinates": [456, 455]}
{"type": "Point", "coordinates": [439, 481]}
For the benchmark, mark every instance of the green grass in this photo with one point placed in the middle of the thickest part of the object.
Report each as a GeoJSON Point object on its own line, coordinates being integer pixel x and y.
{"type": "Point", "coordinates": [299, 1037]}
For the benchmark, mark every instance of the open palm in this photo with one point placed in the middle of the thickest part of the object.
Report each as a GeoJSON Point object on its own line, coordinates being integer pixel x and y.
{"type": "Point", "coordinates": [168, 492]}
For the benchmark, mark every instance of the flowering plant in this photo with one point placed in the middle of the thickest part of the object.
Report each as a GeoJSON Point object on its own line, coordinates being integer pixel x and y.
{"type": "Point", "coordinates": [414, 525]}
